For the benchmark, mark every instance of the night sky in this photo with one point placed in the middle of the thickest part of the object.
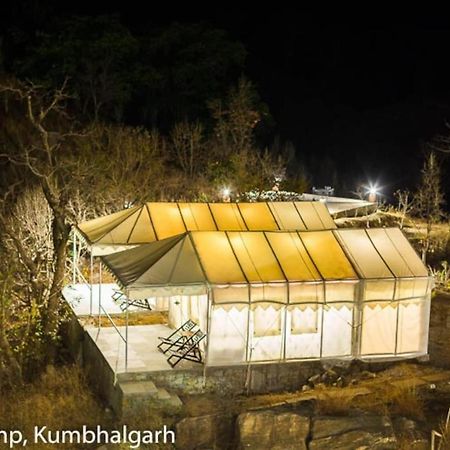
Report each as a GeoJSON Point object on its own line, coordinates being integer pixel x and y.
{"type": "Point", "coordinates": [357, 97]}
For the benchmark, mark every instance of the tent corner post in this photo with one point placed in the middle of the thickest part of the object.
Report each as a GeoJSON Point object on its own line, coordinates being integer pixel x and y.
{"type": "Point", "coordinates": [99, 293]}
{"type": "Point", "coordinates": [357, 319]}
{"type": "Point", "coordinates": [126, 339]}
{"type": "Point", "coordinates": [74, 257]}
{"type": "Point", "coordinates": [249, 344]}
{"type": "Point", "coordinates": [91, 282]}
{"type": "Point", "coordinates": [208, 330]}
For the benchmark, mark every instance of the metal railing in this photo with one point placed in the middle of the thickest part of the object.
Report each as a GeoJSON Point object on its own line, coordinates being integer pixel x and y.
{"type": "Point", "coordinates": [124, 338]}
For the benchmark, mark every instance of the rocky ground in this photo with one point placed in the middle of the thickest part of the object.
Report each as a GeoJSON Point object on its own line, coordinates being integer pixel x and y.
{"type": "Point", "coordinates": [340, 408]}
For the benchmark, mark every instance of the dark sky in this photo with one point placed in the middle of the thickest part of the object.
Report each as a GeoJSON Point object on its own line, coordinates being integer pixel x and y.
{"type": "Point", "coordinates": [358, 94]}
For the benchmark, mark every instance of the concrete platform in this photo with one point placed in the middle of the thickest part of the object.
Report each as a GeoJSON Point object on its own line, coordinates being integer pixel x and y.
{"type": "Point", "coordinates": [143, 354]}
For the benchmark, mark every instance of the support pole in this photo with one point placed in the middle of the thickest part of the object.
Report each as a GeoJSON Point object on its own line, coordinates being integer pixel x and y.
{"type": "Point", "coordinates": [358, 307]}
{"type": "Point", "coordinates": [288, 288]}
{"type": "Point", "coordinates": [126, 338]}
{"type": "Point", "coordinates": [208, 329]}
{"type": "Point", "coordinates": [91, 281]}
{"type": "Point", "coordinates": [99, 292]}
{"type": "Point", "coordinates": [74, 258]}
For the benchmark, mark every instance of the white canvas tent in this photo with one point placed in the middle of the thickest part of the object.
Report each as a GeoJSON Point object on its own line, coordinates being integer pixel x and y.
{"type": "Point", "coordinates": [160, 220]}
{"type": "Point", "coordinates": [154, 221]}
{"type": "Point", "coordinates": [284, 295]}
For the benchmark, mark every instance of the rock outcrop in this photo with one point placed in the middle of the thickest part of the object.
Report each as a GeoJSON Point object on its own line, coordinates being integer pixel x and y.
{"type": "Point", "coordinates": [205, 432]}
{"type": "Point", "coordinates": [352, 432]}
{"type": "Point", "coordinates": [269, 430]}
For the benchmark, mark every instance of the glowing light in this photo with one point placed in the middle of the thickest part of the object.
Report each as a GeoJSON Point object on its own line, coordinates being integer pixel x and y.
{"type": "Point", "coordinates": [226, 192]}
{"type": "Point", "coordinates": [373, 189]}
{"type": "Point", "coordinates": [373, 192]}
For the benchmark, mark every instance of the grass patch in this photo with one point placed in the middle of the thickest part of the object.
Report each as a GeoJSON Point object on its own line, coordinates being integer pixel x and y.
{"type": "Point", "coordinates": [390, 400]}
{"type": "Point", "coordinates": [335, 404]}
{"type": "Point", "coordinates": [134, 318]}
{"type": "Point", "coordinates": [405, 401]}
{"type": "Point", "coordinates": [61, 400]}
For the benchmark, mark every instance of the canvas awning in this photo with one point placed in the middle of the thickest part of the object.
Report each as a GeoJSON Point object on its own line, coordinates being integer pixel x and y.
{"type": "Point", "coordinates": [156, 221]}
{"type": "Point", "coordinates": [191, 262]}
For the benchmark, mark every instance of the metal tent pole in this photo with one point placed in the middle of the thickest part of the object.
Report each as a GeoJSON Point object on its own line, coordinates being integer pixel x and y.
{"type": "Point", "coordinates": [91, 278]}
{"type": "Point", "coordinates": [74, 258]}
{"type": "Point", "coordinates": [208, 329]}
{"type": "Point", "coordinates": [99, 291]}
{"type": "Point", "coordinates": [126, 338]}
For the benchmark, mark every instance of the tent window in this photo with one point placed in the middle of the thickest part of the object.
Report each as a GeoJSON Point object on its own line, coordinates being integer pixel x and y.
{"type": "Point", "coordinates": [266, 321]}
{"type": "Point", "coordinates": [305, 321]}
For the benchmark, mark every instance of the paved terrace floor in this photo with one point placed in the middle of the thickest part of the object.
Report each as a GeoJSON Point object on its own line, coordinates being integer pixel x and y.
{"type": "Point", "coordinates": [143, 354]}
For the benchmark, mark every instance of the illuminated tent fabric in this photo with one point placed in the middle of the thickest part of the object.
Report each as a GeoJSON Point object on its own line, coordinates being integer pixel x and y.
{"type": "Point", "coordinates": [280, 295]}
{"type": "Point", "coordinates": [229, 258]}
{"type": "Point", "coordinates": [156, 221]}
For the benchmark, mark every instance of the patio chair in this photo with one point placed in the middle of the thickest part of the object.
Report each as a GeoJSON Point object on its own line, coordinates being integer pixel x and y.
{"type": "Point", "coordinates": [125, 303]}
{"type": "Point", "coordinates": [177, 338]}
{"type": "Point", "coordinates": [189, 351]}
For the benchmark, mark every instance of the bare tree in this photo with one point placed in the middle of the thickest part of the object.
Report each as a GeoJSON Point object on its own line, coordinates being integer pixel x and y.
{"type": "Point", "coordinates": [79, 173]}
{"type": "Point", "coordinates": [405, 204]}
{"type": "Point", "coordinates": [237, 160]}
{"type": "Point", "coordinates": [236, 119]}
{"type": "Point", "coordinates": [187, 144]}
{"type": "Point", "coordinates": [441, 143]}
{"type": "Point", "coordinates": [43, 155]}
{"type": "Point", "coordinates": [118, 166]}
{"type": "Point", "coordinates": [428, 199]}
{"type": "Point", "coordinates": [27, 271]}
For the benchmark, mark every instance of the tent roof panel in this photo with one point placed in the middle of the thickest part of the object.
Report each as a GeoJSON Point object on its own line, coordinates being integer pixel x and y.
{"type": "Point", "coordinates": [142, 231]}
{"type": "Point", "coordinates": [324, 215]}
{"type": "Point", "coordinates": [292, 256]}
{"type": "Point", "coordinates": [287, 216]}
{"type": "Point", "coordinates": [166, 219]}
{"type": "Point", "coordinates": [129, 265]}
{"type": "Point", "coordinates": [327, 254]}
{"type": "Point", "coordinates": [257, 216]}
{"type": "Point", "coordinates": [407, 252]}
{"type": "Point", "coordinates": [180, 265]}
{"type": "Point", "coordinates": [217, 257]}
{"type": "Point", "coordinates": [227, 216]}
{"type": "Point", "coordinates": [96, 228]}
{"type": "Point", "coordinates": [121, 233]}
{"type": "Point", "coordinates": [255, 257]}
{"type": "Point", "coordinates": [197, 216]}
{"type": "Point", "coordinates": [385, 247]}
{"type": "Point", "coordinates": [363, 254]}
{"type": "Point", "coordinates": [309, 215]}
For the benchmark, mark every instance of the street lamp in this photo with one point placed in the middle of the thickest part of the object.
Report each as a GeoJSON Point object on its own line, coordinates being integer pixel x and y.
{"type": "Point", "coordinates": [226, 195]}
{"type": "Point", "coordinates": [373, 192]}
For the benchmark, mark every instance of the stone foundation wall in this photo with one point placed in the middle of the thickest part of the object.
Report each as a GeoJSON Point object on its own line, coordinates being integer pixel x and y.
{"type": "Point", "coordinates": [258, 378]}
{"type": "Point", "coordinates": [86, 354]}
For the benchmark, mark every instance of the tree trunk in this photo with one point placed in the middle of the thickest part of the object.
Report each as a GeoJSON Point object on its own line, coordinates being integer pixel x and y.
{"type": "Point", "coordinates": [61, 233]}
{"type": "Point", "coordinates": [11, 373]}
{"type": "Point", "coordinates": [426, 244]}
